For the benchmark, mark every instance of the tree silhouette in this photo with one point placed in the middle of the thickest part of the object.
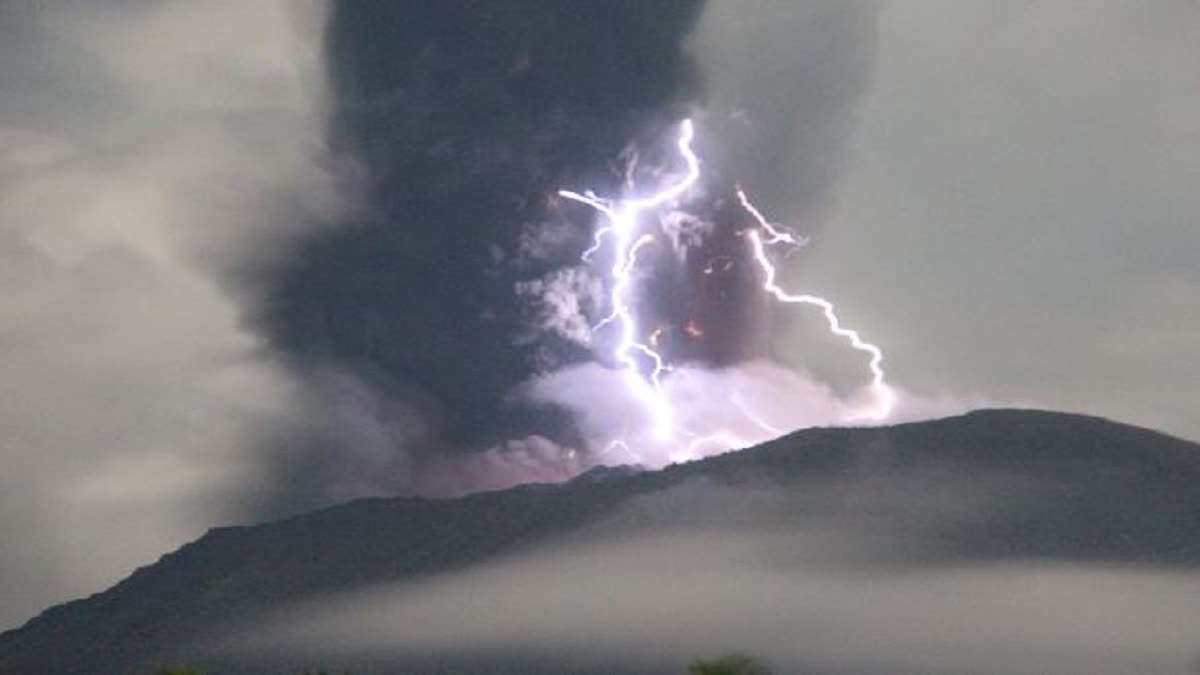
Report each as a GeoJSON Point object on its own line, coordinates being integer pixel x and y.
{"type": "Point", "coordinates": [730, 664]}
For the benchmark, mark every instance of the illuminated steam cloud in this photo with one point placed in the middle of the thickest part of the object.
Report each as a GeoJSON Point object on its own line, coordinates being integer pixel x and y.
{"type": "Point", "coordinates": [660, 421]}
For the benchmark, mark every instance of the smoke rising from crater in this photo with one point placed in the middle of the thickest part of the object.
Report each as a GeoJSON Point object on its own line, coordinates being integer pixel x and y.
{"type": "Point", "coordinates": [456, 292]}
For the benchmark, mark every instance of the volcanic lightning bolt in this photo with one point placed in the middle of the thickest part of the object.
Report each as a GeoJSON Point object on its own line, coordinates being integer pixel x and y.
{"type": "Point", "coordinates": [623, 225]}
{"type": "Point", "coordinates": [884, 396]}
{"type": "Point", "coordinates": [623, 218]}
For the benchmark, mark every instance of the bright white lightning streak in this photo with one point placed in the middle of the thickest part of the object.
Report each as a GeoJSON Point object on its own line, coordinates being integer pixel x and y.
{"type": "Point", "coordinates": [884, 396]}
{"type": "Point", "coordinates": [623, 219]}
{"type": "Point", "coordinates": [754, 417]}
{"type": "Point", "coordinates": [777, 236]}
{"type": "Point", "coordinates": [600, 205]}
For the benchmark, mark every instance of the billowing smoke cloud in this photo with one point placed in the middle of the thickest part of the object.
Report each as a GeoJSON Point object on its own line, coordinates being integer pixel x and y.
{"type": "Point", "coordinates": [453, 305]}
{"type": "Point", "coordinates": [417, 318]}
{"type": "Point", "coordinates": [149, 153]}
{"type": "Point", "coordinates": [464, 122]}
{"type": "Point", "coordinates": [783, 81]}
{"type": "Point", "coordinates": [566, 302]}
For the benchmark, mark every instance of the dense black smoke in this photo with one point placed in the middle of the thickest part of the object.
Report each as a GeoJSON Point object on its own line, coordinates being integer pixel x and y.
{"type": "Point", "coordinates": [455, 278]}
{"type": "Point", "coordinates": [463, 118]}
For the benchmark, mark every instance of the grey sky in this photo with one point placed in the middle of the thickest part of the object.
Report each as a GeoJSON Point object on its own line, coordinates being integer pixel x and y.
{"type": "Point", "coordinates": [142, 148]}
{"type": "Point", "coordinates": [1018, 216]}
{"type": "Point", "coordinates": [1005, 200]}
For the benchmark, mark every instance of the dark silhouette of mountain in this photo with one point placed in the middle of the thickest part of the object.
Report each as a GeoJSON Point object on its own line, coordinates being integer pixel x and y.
{"type": "Point", "coordinates": [1065, 488]}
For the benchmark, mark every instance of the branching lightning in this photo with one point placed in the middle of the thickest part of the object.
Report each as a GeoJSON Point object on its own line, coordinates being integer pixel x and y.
{"type": "Point", "coordinates": [643, 366]}
{"type": "Point", "coordinates": [623, 219]}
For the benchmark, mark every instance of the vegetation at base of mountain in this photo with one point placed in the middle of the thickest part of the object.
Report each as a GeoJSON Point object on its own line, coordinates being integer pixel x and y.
{"type": "Point", "coordinates": [729, 664]}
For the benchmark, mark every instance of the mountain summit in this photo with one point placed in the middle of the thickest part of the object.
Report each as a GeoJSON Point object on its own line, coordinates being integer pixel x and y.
{"type": "Point", "coordinates": [930, 516]}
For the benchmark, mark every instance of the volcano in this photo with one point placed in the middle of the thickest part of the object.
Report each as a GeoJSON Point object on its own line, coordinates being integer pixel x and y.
{"type": "Point", "coordinates": [939, 514]}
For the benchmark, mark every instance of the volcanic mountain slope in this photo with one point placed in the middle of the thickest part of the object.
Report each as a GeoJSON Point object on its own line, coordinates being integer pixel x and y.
{"type": "Point", "coordinates": [997, 489]}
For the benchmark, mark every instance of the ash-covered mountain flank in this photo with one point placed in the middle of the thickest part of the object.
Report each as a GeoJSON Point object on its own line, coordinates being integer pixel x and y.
{"type": "Point", "coordinates": [998, 541]}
